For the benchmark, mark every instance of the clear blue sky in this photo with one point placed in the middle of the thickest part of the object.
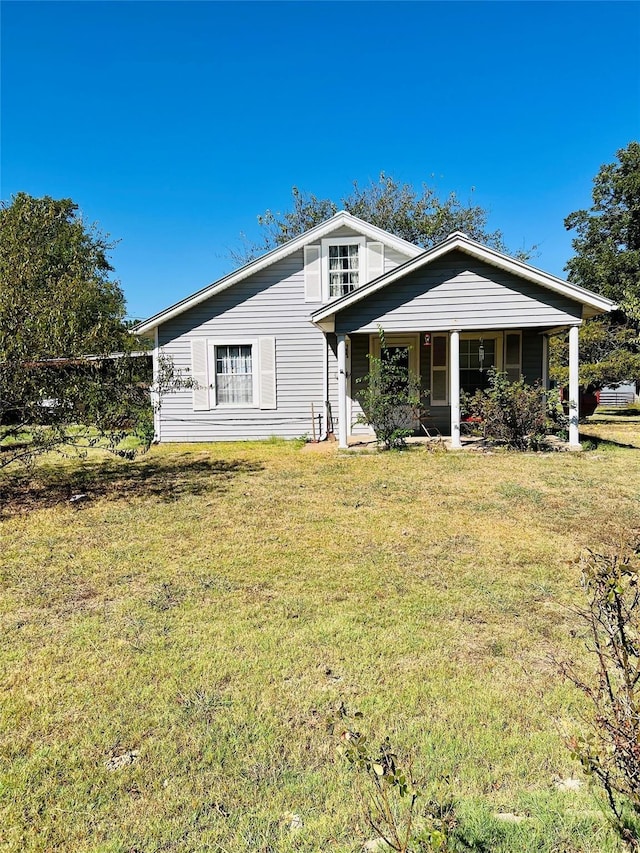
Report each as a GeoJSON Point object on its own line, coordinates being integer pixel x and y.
{"type": "Point", "coordinates": [173, 125]}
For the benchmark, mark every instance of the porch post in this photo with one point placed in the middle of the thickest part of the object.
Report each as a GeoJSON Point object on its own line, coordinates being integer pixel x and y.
{"type": "Point", "coordinates": [454, 387]}
{"type": "Point", "coordinates": [574, 388]}
{"type": "Point", "coordinates": [155, 389]}
{"type": "Point", "coordinates": [342, 391]}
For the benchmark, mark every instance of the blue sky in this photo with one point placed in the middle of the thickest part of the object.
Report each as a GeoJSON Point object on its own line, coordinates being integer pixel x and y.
{"type": "Point", "coordinates": [173, 125]}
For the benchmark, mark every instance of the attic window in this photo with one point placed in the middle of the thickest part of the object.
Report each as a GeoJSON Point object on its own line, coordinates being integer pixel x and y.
{"type": "Point", "coordinates": [343, 265]}
{"type": "Point", "coordinates": [344, 269]}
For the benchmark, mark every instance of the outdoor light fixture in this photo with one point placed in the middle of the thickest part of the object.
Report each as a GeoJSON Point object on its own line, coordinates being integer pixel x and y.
{"type": "Point", "coordinates": [481, 354]}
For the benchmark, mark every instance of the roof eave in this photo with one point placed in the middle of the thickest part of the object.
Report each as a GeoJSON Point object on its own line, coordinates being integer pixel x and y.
{"type": "Point", "coordinates": [598, 303]}
{"type": "Point", "coordinates": [315, 233]}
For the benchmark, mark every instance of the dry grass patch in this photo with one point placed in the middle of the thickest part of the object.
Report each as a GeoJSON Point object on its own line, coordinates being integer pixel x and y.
{"type": "Point", "coordinates": [205, 607]}
{"type": "Point", "coordinates": [621, 426]}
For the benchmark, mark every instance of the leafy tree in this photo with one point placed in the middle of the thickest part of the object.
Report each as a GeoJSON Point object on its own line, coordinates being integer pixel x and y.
{"type": "Point", "coordinates": [607, 245]}
{"type": "Point", "coordinates": [419, 216]}
{"type": "Point", "coordinates": [607, 261]}
{"type": "Point", "coordinates": [61, 319]}
{"type": "Point", "coordinates": [609, 354]}
{"type": "Point", "coordinates": [57, 297]}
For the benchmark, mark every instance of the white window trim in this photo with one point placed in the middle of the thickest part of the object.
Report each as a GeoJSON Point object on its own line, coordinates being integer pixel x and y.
{"type": "Point", "coordinates": [498, 337]}
{"type": "Point", "coordinates": [212, 343]}
{"type": "Point", "coordinates": [361, 242]}
{"type": "Point", "coordinates": [495, 336]}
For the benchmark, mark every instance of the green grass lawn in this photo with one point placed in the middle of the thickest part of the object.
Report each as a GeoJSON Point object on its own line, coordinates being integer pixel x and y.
{"type": "Point", "coordinates": [208, 605]}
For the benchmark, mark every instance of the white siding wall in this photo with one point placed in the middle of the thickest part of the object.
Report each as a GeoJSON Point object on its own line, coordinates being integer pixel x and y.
{"type": "Point", "coordinates": [272, 303]}
{"type": "Point", "coordinates": [393, 259]}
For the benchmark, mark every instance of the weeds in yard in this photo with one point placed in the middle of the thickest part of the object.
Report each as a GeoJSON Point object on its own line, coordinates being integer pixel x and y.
{"type": "Point", "coordinates": [393, 794]}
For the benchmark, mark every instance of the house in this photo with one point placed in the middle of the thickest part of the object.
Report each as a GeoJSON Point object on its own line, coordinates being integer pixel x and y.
{"type": "Point", "coordinates": [293, 329]}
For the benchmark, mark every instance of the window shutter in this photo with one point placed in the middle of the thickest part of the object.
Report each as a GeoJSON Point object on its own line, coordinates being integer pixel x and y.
{"type": "Point", "coordinates": [200, 374]}
{"type": "Point", "coordinates": [439, 395]}
{"type": "Point", "coordinates": [513, 355]}
{"type": "Point", "coordinates": [312, 274]}
{"type": "Point", "coordinates": [267, 358]}
{"type": "Point", "coordinates": [375, 260]}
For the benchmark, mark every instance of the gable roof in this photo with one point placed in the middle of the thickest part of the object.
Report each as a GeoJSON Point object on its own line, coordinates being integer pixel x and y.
{"type": "Point", "coordinates": [340, 219]}
{"type": "Point", "coordinates": [459, 241]}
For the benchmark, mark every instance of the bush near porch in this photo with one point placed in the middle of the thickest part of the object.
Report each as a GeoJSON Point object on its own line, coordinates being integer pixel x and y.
{"type": "Point", "coordinates": [202, 609]}
{"type": "Point", "coordinates": [516, 414]}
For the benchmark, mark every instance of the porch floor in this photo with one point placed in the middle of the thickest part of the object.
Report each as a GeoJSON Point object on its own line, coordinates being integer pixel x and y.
{"type": "Point", "coordinates": [469, 442]}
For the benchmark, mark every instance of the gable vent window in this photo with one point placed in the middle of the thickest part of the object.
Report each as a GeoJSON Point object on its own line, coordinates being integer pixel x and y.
{"type": "Point", "coordinates": [344, 269]}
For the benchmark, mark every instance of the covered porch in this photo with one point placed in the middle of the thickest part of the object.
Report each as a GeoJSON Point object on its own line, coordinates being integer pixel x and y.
{"type": "Point", "coordinates": [448, 363]}
{"type": "Point", "coordinates": [459, 291]}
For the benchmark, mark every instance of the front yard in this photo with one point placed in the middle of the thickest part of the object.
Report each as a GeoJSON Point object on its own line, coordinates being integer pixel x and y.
{"type": "Point", "coordinates": [200, 611]}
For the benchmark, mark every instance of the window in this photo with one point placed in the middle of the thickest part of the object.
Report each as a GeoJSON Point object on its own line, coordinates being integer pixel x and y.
{"type": "Point", "coordinates": [234, 375]}
{"type": "Point", "coordinates": [344, 269]}
{"type": "Point", "coordinates": [343, 265]}
{"type": "Point", "coordinates": [477, 355]}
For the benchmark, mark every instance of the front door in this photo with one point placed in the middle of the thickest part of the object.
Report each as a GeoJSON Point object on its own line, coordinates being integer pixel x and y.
{"type": "Point", "coordinates": [408, 345]}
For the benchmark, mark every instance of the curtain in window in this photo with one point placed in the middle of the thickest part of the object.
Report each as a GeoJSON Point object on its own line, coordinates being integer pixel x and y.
{"type": "Point", "coordinates": [343, 269]}
{"type": "Point", "coordinates": [234, 375]}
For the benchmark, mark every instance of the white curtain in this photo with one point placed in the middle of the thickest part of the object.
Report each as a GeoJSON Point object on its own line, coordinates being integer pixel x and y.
{"type": "Point", "coordinates": [234, 375]}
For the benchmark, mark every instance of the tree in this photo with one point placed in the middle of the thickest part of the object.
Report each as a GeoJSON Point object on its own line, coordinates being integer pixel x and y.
{"type": "Point", "coordinates": [607, 261]}
{"type": "Point", "coordinates": [57, 297]}
{"type": "Point", "coordinates": [607, 245]}
{"type": "Point", "coordinates": [609, 354]}
{"type": "Point", "coordinates": [420, 217]}
{"type": "Point", "coordinates": [61, 321]}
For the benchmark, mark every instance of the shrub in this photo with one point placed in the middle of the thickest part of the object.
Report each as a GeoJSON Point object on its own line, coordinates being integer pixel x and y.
{"type": "Point", "coordinates": [610, 752]}
{"type": "Point", "coordinates": [391, 397]}
{"type": "Point", "coordinates": [513, 413]}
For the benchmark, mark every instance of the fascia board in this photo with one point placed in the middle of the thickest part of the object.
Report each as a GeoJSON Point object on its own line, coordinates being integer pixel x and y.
{"type": "Point", "coordinates": [310, 236]}
{"type": "Point", "coordinates": [480, 252]}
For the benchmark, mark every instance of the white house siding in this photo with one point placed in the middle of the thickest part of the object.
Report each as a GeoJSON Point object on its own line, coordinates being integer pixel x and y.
{"type": "Point", "coordinates": [271, 302]}
{"type": "Point", "coordinates": [393, 259]}
{"type": "Point", "coordinates": [359, 349]}
{"type": "Point", "coordinates": [458, 292]}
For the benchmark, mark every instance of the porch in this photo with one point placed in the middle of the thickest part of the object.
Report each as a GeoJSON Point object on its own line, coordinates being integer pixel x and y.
{"type": "Point", "coordinates": [447, 364]}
